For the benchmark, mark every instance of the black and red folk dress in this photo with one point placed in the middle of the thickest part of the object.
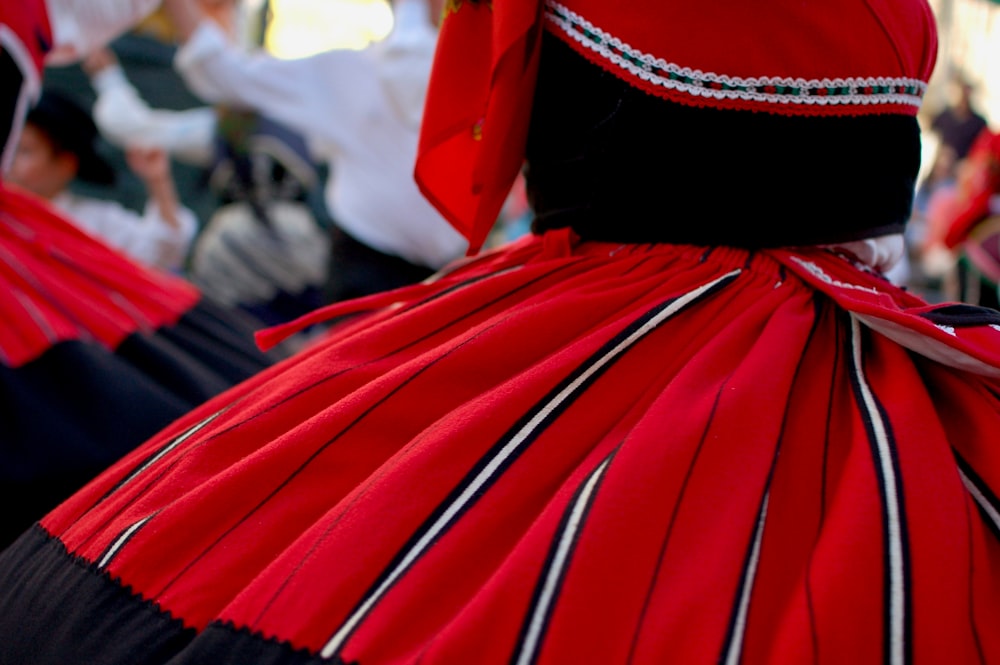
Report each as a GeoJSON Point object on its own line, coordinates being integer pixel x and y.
{"type": "Point", "coordinates": [578, 448]}
{"type": "Point", "coordinates": [97, 353]}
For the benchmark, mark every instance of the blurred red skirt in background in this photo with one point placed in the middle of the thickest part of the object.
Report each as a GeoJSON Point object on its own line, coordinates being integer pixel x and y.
{"type": "Point", "coordinates": [97, 354]}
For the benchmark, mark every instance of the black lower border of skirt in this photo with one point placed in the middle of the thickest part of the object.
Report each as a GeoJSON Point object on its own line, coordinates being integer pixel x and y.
{"type": "Point", "coordinates": [56, 609]}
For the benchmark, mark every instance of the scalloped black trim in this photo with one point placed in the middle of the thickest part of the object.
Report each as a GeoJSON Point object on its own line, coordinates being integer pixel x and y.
{"type": "Point", "coordinates": [56, 608]}
{"type": "Point", "coordinates": [227, 644]}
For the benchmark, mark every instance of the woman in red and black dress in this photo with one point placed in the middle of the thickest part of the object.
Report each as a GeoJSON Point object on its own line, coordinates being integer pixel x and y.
{"type": "Point", "coordinates": [96, 353]}
{"type": "Point", "coordinates": [687, 420]}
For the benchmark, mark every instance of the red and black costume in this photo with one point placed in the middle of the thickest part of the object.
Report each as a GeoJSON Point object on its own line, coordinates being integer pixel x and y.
{"type": "Point", "coordinates": [614, 441]}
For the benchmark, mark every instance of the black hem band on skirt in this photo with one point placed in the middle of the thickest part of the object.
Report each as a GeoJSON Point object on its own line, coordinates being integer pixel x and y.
{"type": "Point", "coordinates": [60, 628]}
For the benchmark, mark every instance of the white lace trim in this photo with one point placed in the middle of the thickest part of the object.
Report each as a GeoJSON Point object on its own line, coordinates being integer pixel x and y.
{"type": "Point", "coordinates": [700, 84]}
{"type": "Point", "coordinates": [821, 274]}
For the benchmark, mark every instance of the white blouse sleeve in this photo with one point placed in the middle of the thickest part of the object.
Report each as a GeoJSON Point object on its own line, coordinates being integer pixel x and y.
{"type": "Point", "coordinates": [80, 26]}
{"type": "Point", "coordinates": [124, 119]}
{"type": "Point", "coordinates": [313, 95]}
{"type": "Point", "coordinates": [145, 237]}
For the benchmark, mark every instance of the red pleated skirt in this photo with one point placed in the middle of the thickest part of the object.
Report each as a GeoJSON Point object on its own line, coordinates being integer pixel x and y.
{"type": "Point", "coordinates": [561, 452]}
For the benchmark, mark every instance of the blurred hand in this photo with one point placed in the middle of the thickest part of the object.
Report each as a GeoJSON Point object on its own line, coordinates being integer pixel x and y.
{"type": "Point", "coordinates": [151, 165]}
{"type": "Point", "coordinates": [98, 61]}
{"type": "Point", "coordinates": [185, 15]}
{"type": "Point", "coordinates": [937, 261]}
{"type": "Point", "coordinates": [223, 12]}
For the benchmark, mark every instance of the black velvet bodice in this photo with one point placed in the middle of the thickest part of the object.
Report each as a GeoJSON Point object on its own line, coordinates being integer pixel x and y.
{"type": "Point", "coordinates": [617, 164]}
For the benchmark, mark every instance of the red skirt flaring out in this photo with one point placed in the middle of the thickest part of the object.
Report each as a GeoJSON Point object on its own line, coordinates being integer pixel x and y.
{"type": "Point", "coordinates": [559, 453]}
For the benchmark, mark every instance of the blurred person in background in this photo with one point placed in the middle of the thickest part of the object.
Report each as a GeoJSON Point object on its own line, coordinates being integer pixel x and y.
{"type": "Point", "coordinates": [360, 113]}
{"type": "Point", "coordinates": [968, 225]}
{"type": "Point", "coordinates": [960, 122]}
{"type": "Point", "coordinates": [262, 249]}
{"type": "Point", "coordinates": [58, 148]}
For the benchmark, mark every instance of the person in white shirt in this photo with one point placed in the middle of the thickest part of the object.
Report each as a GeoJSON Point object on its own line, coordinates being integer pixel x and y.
{"type": "Point", "coordinates": [360, 112]}
{"type": "Point", "coordinates": [58, 146]}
